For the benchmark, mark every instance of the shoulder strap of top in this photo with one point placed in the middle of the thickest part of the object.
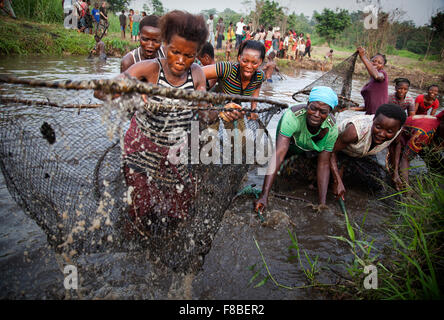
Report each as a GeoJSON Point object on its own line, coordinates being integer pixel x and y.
{"type": "Point", "coordinates": [161, 74]}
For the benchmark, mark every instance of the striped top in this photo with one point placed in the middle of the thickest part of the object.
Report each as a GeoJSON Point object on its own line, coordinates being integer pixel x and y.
{"type": "Point", "coordinates": [151, 132]}
{"type": "Point", "coordinates": [408, 103]}
{"type": "Point", "coordinates": [230, 79]}
{"type": "Point", "coordinates": [160, 127]}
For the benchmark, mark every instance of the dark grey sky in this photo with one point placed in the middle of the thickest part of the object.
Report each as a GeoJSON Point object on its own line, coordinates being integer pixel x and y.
{"type": "Point", "coordinates": [419, 11]}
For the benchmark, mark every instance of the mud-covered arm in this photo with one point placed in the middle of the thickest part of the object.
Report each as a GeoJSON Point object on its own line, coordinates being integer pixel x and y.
{"type": "Point", "coordinates": [200, 85]}
{"type": "Point", "coordinates": [145, 70]}
{"type": "Point", "coordinates": [323, 175]}
{"type": "Point", "coordinates": [348, 136]}
{"type": "Point", "coordinates": [396, 148]}
{"type": "Point", "coordinates": [372, 71]}
{"type": "Point", "coordinates": [282, 145]}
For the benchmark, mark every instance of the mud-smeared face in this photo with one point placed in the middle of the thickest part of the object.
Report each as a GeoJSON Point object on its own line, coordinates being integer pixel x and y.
{"type": "Point", "coordinates": [401, 90]}
{"type": "Point", "coordinates": [150, 41]}
{"type": "Point", "coordinates": [180, 54]}
{"type": "Point", "coordinates": [317, 112]}
{"type": "Point", "coordinates": [384, 129]}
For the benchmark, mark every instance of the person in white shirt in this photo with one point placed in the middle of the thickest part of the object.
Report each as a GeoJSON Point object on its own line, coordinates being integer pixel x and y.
{"type": "Point", "coordinates": [239, 27]}
{"type": "Point", "coordinates": [210, 25]}
{"type": "Point", "coordinates": [286, 45]}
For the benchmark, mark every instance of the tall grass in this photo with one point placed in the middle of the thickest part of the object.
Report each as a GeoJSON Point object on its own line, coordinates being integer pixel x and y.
{"type": "Point", "coordinates": [413, 264]}
{"type": "Point", "coordinates": [114, 24]}
{"type": "Point", "coordinates": [409, 266]}
{"type": "Point", "coordinates": [48, 11]}
{"type": "Point", "coordinates": [417, 238]}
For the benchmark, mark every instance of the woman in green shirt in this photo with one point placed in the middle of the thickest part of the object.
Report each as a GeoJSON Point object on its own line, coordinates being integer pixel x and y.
{"type": "Point", "coordinates": [302, 129]}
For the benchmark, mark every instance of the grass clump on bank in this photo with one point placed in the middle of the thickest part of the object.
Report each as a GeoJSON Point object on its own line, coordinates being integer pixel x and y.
{"type": "Point", "coordinates": [25, 37]}
{"type": "Point", "coordinates": [46, 11]}
{"type": "Point", "coordinates": [411, 266]}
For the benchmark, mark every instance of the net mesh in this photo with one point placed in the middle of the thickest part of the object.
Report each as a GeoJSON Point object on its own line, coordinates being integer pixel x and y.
{"type": "Point", "coordinates": [339, 78]}
{"type": "Point", "coordinates": [62, 154]}
{"type": "Point", "coordinates": [63, 165]}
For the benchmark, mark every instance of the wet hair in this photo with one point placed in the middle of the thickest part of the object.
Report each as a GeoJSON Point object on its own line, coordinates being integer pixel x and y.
{"type": "Point", "coordinates": [397, 81]}
{"type": "Point", "coordinates": [149, 21]}
{"type": "Point", "coordinates": [254, 45]}
{"type": "Point", "coordinates": [184, 24]}
{"type": "Point", "coordinates": [393, 111]}
{"type": "Point", "coordinates": [381, 55]}
{"type": "Point", "coordinates": [207, 49]}
{"type": "Point", "coordinates": [431, 86]}
{"type": "Point", "coordinates": [331, 50]}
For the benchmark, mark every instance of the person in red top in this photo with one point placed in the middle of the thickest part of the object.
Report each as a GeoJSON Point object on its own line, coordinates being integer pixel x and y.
{"type": "Point", "coordinates": [424, 102]}
{"type": "Point", "coordinates": [307, 46]}
{"type": "Point", "coordinates": [419, 132]}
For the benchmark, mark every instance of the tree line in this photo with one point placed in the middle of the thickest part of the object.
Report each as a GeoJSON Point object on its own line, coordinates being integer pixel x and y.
{"type": "Point", "coordinates": [338, 27]}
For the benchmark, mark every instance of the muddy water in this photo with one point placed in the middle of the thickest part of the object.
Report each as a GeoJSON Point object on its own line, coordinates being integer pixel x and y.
{"type": "Point", "coordinates": [30, 269]}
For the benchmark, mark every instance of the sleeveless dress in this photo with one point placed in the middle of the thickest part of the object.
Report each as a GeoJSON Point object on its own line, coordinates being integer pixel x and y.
{"type": "Point", "coordinates": [157, 186]}
{"type": "Point", "coordinates": [137, 55]}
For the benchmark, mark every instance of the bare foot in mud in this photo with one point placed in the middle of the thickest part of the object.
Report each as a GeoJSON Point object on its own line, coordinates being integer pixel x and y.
{"type": "Point", "coordinates": [318, 208]}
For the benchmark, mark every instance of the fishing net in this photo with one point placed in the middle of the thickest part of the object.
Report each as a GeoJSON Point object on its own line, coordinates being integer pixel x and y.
{"type": "Point", "coordinates": [62, 156]}
{"type": "Point", "coordinates": [365, 172]}
{"type": "Point", "coordinates": [65, 161]}
{"type": "Point", "coordinates": [339, 78]}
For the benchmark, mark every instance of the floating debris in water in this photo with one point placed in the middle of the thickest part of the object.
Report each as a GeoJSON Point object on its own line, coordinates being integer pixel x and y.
{"type": "Point", "coordinates": [48, 132]}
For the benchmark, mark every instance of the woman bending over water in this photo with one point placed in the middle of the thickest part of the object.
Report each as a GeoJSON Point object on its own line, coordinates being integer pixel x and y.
{"type": "Point", "coordinates": [303, 129]}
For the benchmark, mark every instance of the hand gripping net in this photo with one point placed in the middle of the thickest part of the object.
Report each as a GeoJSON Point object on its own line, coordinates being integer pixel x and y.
{"type": "Point", "coordinates": [61, 153]}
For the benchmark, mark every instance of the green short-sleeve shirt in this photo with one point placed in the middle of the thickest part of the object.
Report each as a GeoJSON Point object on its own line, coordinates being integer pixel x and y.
{"type": "Point", "coordinates": [294, 124]}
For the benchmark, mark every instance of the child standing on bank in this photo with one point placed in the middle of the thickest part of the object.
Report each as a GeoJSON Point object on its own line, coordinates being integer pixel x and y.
{"type": "Point", "coordinates": [228, 48]}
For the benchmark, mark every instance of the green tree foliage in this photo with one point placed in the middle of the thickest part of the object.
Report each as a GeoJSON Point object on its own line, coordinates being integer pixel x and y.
{"type": "Point", "coordinates": [271, 15]}
{"type": "Point", "coordinates": [154, 7]}
{"type": "Point", "coordinates": [299, 23]}
{"type": "Point", "coordinates": [331, 23]}
{"type": "Point", "coordinates": [117, 5]}
{"type": "Point", "coordinates": [158, 8]}
{"type": "Point", "coordinates": [230, 16]}
{"type": "Point", "coordinates": [208, 12]}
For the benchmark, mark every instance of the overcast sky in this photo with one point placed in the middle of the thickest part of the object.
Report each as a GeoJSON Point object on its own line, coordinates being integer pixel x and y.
{"type": "Point", "coordinates": [419, 11]}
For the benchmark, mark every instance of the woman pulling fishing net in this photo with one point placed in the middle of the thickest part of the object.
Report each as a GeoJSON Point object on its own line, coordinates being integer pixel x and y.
{"type": "Point", "coordinates": [305, 129]}
{"type": "Point", "coordinates": [160, 192]}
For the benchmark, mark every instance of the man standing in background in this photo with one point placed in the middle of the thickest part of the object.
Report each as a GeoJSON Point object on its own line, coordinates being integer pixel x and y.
{"type": "Point", "coordinates": [220, 28]}
{"type": "Point", "coordinates": [96, 14]}
{"type": "Point", "coordinates": [210, 25]}
{"type": "Point", "coordinates": [239, 27]}
{"type": "Point", "coordinates": [122, 20]}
